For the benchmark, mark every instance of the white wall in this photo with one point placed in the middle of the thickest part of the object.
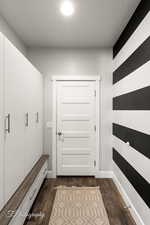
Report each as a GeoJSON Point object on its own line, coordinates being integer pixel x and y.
{"type": "Point", "coordinates": [11, 35]}
{"type": "Point", "coordinates": [77, 62]}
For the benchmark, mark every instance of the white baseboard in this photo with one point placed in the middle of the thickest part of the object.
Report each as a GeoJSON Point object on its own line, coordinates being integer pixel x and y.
{"type": "Point", "coordinates": [99, 174]}
{"type": "Point", "coordinates": [128, 202]}
{"type": "Point", "coordinates": [104, 174]}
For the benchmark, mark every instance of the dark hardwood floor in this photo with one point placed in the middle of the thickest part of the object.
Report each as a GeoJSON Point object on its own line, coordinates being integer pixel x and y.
{"type": "Point", "coordinates": [114, 204]}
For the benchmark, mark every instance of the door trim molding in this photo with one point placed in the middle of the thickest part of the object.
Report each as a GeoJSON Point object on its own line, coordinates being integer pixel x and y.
{"type": "Point", "coordinates": [76, 78]}
{"type": "Point", "coordinates": [97, 79]}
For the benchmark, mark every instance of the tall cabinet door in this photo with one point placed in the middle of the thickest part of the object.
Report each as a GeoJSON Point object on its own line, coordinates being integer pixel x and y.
{"type": "Point", "coordinates": [1, 125]}
{"type": "Point", "coordinates": [15, 98]}
{"type": "Point", "coordinates": [34, 131]}
{"type": "Point", "coordinates": [38, 114]}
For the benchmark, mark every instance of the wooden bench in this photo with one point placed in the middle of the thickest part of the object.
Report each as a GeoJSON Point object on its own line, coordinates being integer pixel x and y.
{"type": "Point", "coordinates": [17, 199]}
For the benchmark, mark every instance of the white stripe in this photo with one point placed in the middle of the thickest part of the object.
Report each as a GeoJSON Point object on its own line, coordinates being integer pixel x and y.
{"type": "Point", "coordinates": [137, 218]}
{"type": "Point", "coordinates": [137, 160]}
{"type": "Point", "coordinates": [141, 207]}
{"type": "Point", "coordinates": [137, 120]}
{"type": "Point", "coordinates": [128, 84]}
{"type": "Point", "coordinates": [137, 38]}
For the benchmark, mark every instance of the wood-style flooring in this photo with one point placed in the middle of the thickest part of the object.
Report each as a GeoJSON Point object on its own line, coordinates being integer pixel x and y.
{"type": "Point", "coordinates": [115, 206]}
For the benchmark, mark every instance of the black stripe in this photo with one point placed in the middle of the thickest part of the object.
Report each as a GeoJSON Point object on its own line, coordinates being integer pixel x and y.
{"type": "Point", "coordinates": [139, 183]}
{"type": "Point", "coordinates": [136, 100]}
{"type": "Point", "coordinates": [138, 140]}
{"type": "Point", "coordinates": [137, 59]}
{"type": "Point", "coordinates": [139, 14]}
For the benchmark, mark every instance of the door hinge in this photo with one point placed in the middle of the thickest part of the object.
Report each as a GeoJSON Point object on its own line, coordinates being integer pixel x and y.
{"type": "Point", "coordinates": [95, 93]}
{"type": "Point", "coordinates": [94, 163]}
{"type": "Point", "coordinates": [95, 128]}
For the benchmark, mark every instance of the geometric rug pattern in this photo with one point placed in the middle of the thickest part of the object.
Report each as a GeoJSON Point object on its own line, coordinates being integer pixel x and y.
{"type": "Point", "coordinates": [78, 206]}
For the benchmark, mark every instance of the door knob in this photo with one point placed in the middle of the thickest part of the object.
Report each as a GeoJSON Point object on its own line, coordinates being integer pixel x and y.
{"type": "Point", "coordinates": [59, 133]}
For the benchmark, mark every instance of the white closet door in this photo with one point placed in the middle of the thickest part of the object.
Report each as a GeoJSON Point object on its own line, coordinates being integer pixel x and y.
{"type": "Point", "coordinates": [29, 108]}
{"type": "Point", "coordinates": [38, 114]}
{"type": "Point", "coordinates": [1, 125]}
{"type": "Point", "coordinates": [15, 99]}
{"type": "Point", "coordinates": [33, 138]}
{"type": "Point", "coordinates": [76, 127]}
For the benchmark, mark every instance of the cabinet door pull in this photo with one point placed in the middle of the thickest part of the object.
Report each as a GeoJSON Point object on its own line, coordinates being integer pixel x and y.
{"type": "Point", "coordinates": [37, 117]}
{"type": "Point", "coordinates": [27, 119]}
{"type": "Point", "coordinates": [7, 124]}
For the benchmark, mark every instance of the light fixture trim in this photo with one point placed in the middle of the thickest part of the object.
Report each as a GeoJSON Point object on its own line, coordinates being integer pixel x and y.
{"type": "Point", "coordinates": [67, 8]}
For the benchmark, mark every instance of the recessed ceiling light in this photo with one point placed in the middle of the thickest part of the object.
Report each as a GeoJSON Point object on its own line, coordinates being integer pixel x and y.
{"type": "Point", "coordinates": [67, 8]}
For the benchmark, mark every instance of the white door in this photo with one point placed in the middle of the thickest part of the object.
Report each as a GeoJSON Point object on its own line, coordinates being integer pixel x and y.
{"type": "Point", "coordinates": [15, 98]}
{"type": "Point", "coordinates": [33, 106]}
{"type": "Point", "coordinates": [76, 118]}
{"type": "Point", "coordinates": [1, 125]}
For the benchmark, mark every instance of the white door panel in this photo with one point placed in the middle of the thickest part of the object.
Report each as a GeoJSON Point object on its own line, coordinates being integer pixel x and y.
{"type": "Point", "coordinates": [1, 124]}
{"type": "Point", "coordinates": [76, 122]}
{"type": "Point", "coordinates": [36, 107]}
{"type": "Point", "coordinates": [15, 98]}
{"type": "Point", "coordinates": [33, 133]}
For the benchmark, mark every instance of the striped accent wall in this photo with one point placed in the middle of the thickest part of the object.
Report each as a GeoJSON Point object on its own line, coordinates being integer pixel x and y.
{"type": "Point", "coordinates": [131, 110]}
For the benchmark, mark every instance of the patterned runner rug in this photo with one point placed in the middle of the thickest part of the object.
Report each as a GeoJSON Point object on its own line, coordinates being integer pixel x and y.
{"type": "Point", "coordinates": [78, 206]}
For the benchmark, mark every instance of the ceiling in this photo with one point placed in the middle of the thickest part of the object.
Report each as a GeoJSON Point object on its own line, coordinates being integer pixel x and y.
{"type": "Point", "coordinates": [96, 23]}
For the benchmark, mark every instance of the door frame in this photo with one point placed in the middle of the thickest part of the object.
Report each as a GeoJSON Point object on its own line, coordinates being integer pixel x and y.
{"type": "Point", "coordinates": [56, 79]}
